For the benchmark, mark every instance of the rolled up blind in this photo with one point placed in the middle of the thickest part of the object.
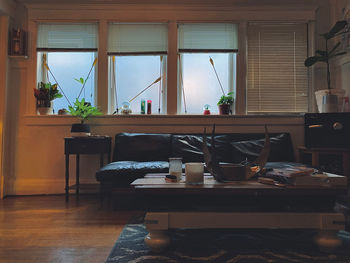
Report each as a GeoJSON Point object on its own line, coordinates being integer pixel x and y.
{"type": "Point", "coordinates": [277, 77]}
{"type": "Point", "coordinates": [218, 37]}
{"type": "Point", "coordinates": [135, 38]}
{"type": "Point", "coordinates": [60, 37]}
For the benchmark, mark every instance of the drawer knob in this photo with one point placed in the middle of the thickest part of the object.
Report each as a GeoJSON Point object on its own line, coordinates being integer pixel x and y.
{"type": "Point", "coordinates": [337, 126]}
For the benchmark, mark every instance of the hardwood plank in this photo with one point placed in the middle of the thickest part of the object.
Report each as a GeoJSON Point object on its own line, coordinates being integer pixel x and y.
{"type": "Point", "coordinates": [47, 229]}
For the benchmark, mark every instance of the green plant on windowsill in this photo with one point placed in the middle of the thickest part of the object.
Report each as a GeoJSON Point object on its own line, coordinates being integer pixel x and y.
{"type": "Point", "coordinates": [226, 99]}
{"type": "Point", "coordinates": [225, 103]}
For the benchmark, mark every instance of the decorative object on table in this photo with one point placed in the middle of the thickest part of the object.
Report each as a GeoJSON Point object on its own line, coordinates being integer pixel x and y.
{"type": "Point", "coordinates": [45, 94]}
{"type": "Point", "coordinates": [83, 111]}
{"type": "Point", "coordinates": [217, 170]}
{"type": "Point", "coordinates": [149, 107]}
{"type": "Point", "coordinates": [340, 28]}
{"type": "Point", "coordinates": [143, 106]}
{"type": "Point", "coordinates": [228, 245]}
{"type": "Point", "coordinates": [226, 101]}
{"type": "Point", "coordinates": [18, 43]}
{"type": "Point", "coordinates": [194, 173]}
{"type": "Point", "coordinates": [175, 167]}
{"type": "Point", "coordinates": [125, 109]}
{"type": "Point", "coordinates": [206, 109]}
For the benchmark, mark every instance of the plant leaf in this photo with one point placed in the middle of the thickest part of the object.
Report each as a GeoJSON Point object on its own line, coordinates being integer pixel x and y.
{"type": "Point", "coordinates": [339, 26]}
{"type": "Point", "coordinates": [322, 53]}
{"type": "Point", "coordinates": [312, 60]}
{"type": "Point", "coordinates": [339, 54]}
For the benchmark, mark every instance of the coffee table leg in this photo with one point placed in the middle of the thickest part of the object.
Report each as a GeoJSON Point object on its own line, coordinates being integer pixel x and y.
{"type": "Point", "coordinates": [157, 240]}
{"type": "Point", "coordinates": [157, 226]}
{"type": "Point", "coordinates": [327, 240]}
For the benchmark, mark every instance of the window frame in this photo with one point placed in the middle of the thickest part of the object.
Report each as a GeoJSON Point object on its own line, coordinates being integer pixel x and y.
{"type": "Point", "coordinates": [102, 67]}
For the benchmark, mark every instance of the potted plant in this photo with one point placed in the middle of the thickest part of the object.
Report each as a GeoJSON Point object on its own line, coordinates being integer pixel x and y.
{"type": "Point", "coordinates": [83, 111]}
{"type": "Point", "coordinates": [225, 103]}
{"type": "Point", "coordinates": [45, 94]}
{"type": "Point", "coordinates": [340, 28]}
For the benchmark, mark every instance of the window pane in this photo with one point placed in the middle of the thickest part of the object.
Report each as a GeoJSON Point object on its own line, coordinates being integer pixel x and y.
{"type": "Point", "coordinates": [200, 83]}
{"type": "Point", "coordinates": [66, 66]}
{"type": "Point", "coordinates": [135, 73]}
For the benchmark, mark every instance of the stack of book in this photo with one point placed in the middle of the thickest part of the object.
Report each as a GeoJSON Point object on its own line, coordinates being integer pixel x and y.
{"type": "Point", "coordinates": [305, 176]}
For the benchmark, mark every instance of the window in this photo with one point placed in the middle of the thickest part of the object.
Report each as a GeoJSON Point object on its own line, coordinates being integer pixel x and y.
{"type": "Point", "coordinates": [137, 57]}
{"type": "Point", "coordinates": [201, 82]}
{"type": "Point", "coordinates": [277, 77]}
{"type": "Point", "coordinates": [69, 51]}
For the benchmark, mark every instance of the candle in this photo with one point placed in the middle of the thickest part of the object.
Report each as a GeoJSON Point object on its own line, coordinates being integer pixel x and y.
{"type": "Point", "coordinates": [194, 173]}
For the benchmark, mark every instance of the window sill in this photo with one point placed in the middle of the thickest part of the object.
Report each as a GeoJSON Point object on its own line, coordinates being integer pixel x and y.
{"type": "Point", "coordinates": [163, 120]}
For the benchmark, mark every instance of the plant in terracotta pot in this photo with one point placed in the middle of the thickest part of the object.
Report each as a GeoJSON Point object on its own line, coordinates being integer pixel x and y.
{"type": "Point", "coordinates": [45, 94]}
{"type": "Point", "coordinates": [340, 28]}
{"type": "Point", "coordinates": [225, 103]}
{"type": "Point", "coordinates": [83, 111]}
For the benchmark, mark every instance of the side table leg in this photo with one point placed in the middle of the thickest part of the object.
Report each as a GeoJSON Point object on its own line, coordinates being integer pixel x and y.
{"type": "Point", "coordinates": [77, 176]}
{"type": "Point", "coordinates": [67, 178]}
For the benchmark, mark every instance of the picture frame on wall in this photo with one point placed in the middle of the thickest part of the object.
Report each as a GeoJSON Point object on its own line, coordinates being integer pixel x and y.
{"type": "Point", "coordinates": [18, 42]}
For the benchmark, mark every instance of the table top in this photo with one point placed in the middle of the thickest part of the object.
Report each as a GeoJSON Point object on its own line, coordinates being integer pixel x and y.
{"type": "Point", "coordinates": [156, 184]}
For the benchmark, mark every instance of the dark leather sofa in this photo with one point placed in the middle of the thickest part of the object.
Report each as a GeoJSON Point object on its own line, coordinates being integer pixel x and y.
{"type": "Point", "coordinates": [136, 154]}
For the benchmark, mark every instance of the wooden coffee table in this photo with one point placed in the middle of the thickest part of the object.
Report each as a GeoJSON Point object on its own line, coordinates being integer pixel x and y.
{"type": "Point", "coordinates": [243, 204]}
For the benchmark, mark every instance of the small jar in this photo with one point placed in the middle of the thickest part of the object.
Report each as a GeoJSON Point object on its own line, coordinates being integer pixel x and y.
{"type": "Point", "coordinates": [175, 167]}
{"type": "Point", "coordinates": [149, 107]}
{"type": "Point", "coordinates": [143, 106]}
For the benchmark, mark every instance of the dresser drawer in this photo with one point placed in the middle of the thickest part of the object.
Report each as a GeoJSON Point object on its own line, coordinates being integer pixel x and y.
{"type": "Point", "coordinates": [87, 145]}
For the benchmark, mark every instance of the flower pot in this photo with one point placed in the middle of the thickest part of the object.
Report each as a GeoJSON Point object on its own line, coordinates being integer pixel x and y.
{"type": "Point", "coordinates": [80, 129]}
{"type": "Point", "coordinates": [319, 98]}
{"type": "Point", "coordinates": [44, 107]}
{"type": "Point", "coordinates": [224, 109]}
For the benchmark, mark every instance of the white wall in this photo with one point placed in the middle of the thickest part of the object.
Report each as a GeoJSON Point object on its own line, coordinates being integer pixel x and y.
{"type": "Point", "coordinates": [35, 154]}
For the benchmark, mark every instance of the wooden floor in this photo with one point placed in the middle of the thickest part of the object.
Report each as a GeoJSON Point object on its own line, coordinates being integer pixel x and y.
{"type": "Point", "coordinates": [45, 229]}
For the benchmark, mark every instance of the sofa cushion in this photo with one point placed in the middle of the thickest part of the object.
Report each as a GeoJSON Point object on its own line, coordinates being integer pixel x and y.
{"type": "Point", "coordinates": [125, 172]}
{"type": "Point", "coordinates": [142, 147]}
{"type": "Point", "coordinates": [281, 149]}
{"type": "Point", "coordinates": [189, 147]}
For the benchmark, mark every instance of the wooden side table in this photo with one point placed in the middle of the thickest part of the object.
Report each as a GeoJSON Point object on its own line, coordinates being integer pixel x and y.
{"type": "Point", "coordinates": [84, 145]}
{"type": "Point", "coordinates": [316, 152]}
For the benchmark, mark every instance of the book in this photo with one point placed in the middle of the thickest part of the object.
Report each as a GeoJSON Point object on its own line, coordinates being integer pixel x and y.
{"type": "Point", "coordinates": [306, 178]}
{"type": "Point", "coordinates": [290, 172]}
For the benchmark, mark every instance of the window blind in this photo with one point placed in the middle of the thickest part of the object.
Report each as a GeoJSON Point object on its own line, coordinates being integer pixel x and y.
{"type": "Point", "coordinates": [60, 37]}
{"type": "Point", "coordinates": [131, 38]}
{"type": "Point", "coordinates": [208, 37]}
{"type": "Point", "coordinates": [277, 77]}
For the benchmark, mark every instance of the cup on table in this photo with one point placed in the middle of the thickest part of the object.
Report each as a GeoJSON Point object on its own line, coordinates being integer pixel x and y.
{"type": "Point", "coordinates": [175, 167]}
{"type": "Point", "coordinates": [194, 173]}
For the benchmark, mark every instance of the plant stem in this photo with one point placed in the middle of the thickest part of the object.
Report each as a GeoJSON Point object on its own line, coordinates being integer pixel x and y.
{"type": "Point", "coordinates": [328, 70]}
{"type": "Point", "coordinates": [216, 74]}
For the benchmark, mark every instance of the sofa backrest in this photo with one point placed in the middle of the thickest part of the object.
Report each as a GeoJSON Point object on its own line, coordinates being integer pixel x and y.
{"type": "Point", "coordinates": [142, 147]}
{"type": "Point", "coordinates": [231, 147]}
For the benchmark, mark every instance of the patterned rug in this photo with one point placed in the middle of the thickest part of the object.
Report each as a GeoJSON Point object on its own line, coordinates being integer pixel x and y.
{"type": "Point", "coordinates": [229, 246]}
